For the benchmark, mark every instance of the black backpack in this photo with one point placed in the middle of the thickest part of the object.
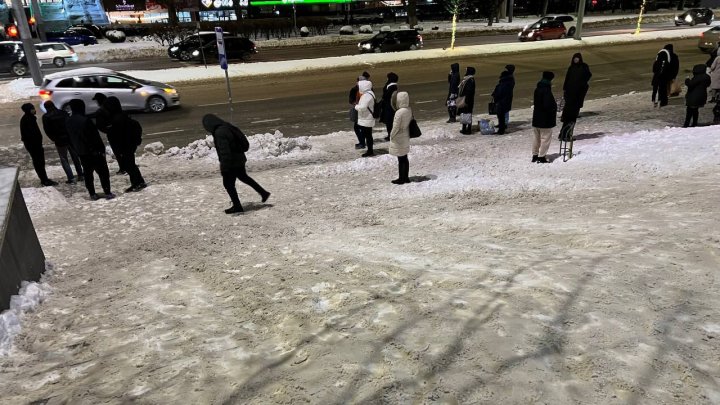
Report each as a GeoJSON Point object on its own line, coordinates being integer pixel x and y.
{"type": "Point", "coordinates": [377, 108]}
{"type": "Point", "coordinates": [240, 140]}
{"type": "Point", "coordinates": [134, 131]}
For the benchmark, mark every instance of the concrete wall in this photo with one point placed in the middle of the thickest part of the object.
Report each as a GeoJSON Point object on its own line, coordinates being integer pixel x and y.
{"type": "Point", "coordinates": [21, 256]}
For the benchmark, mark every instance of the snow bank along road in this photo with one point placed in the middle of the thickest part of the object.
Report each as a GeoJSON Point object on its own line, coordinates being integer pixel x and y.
{"type": "Point", "coordinates": [489, 280]}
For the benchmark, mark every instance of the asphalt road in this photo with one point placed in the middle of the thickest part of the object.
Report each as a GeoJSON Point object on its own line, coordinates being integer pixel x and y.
{"type": "Point", "coordinates": [315, 104]}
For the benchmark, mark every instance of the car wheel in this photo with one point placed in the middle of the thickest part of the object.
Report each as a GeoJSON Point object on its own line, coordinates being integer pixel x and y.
{"type": "Point", "coordinates": [571, 32]}
{"type": "Point", "coordinates": [185, 56]}
{"type": "Point", "coordinates": [59, 62]}
{"type": "Point", "coordinates": [377, 50]}
{"type": "Point", "coordinates": [19, 69]}
{"type": "Point", "coordinates": [709, 22]}
{"type": "Point", "coordinates": [538, 38]}
{"type": "Point", "coordinates": [677, 25]}
{"type": "Point", "coordinates": [692, 23]}
{"type": "Point", "coordinates": [156, 104]}
{"type": "Point", "coordinates": [413, 47]}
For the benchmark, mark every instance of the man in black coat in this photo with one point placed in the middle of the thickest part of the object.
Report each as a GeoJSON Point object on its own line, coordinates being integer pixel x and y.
{"type": "Point", "coordinates": [102, 122]}
{"type": "Point", "coordinates": [32, 139]}
{"type": "Point", "coordinates": [353, 98]}
{"type": "Point", "coordinates": [231, 144]}
{"type": "Point", "coordinates": [665, 69]}
{"type": "Point", "coordinates": [54, 126]}
{"type": "Point", "coordinates": [453, 84]}
{"type": "Point", "coordinates": [88, 144]}
{"type": "Point", "coordinates": [121, 133]}
{"type": "Point", "coordinates": [511, 71]}
{"type": "Point", "coordinates": [466, 100]}
{"type": "Point", "coordinates": [696, 96]}
{"type": "Point", "coordinates": [388, 108]}
{"type": "Point", "coordinates": [502, 95]}
{"type": "Point", "coordinates": [544, 117]}
{"type": "Point", "coordinates": [575, 89]}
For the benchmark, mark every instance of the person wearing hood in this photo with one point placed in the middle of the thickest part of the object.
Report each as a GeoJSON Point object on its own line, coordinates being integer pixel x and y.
{"type": "Point", "coordinates": [696, 96]}
{"type": "Point", "coordinates": [502, 95]}
{"type": "Point", "coordinates": [400, 137]}
{"type": "Point", "coordinates": [665, 70]}
{"type": "Point", "coordinates": [32, 139]}
{"type": "Point", "coordinates": [388, 101]}
{"type": "Point", "coordinates": [366, 121]}
{"type": "Point", "coordinates": [715, 79]}
{"type": "Point", "coordinates": [575, 89]}
{"type": "Point", "coordinates": [88, 144]}
{"type": "Point", "coordinates": [353, 99]}
{"type": "Point", "coordinates": [544, 117]}
{"type": "Point", "coordinates": [231, 145]}
{"type": "Point", "coordinates": [511, 71]}
{"type": "Point", "coordinates": [453, 85]}
{"type": "Point", "coordinates": [126, 134]}
{"type": "Point", "coordinates": [103, 121]}
{"type": "Point", "coordinates": [54, 126]}
{"type": "Point", "coordinates": [674, 69]}
{"type": "Point", "coordinates": [466, 100]}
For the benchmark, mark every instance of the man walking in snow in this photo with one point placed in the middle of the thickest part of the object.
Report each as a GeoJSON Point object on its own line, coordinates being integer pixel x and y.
{"type": "Point", "coordinates": [544, 117]}
{"type": "Point", "coordinates": [665, 70]}
{"type": "Point", "coordinates": [231, 145]}
{"type": "Point", "coordinates": [575, 89]}
{"type": "Point", "coordinates": [32, 139]}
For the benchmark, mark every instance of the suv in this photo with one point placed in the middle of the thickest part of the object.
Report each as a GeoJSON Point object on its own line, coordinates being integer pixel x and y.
{"type": "Point", "coordinates": [56, 53]}
{"type": "Point", "coordinates": [543, 30]}
{"type": "Point", "coordinates": [183, 50]}
{"type": "Point", "coordinates": [235, 48]}
{"type": "Point", "coordinates": [694, 16]}
{"type": "Point", "coordinates": [391, 41]}
{"type": "Point", "coordinates": [12, 58]}
{"type": "Point", "coordinates": [134, 93]}
{"type": "Point", "coordinates": [568, 22]}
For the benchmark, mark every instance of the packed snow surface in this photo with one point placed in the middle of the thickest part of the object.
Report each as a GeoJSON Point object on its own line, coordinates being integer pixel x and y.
{"type": "Point", "coordinates": [488, 279]}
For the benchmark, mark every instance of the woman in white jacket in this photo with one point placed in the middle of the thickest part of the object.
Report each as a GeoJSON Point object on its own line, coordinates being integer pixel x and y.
{"type": "Point", "coordinates": [400, 136]}
{"type": "Point", "coordinates": [715, 78]}
{"type": "Point", "coordinates": [366, 121]}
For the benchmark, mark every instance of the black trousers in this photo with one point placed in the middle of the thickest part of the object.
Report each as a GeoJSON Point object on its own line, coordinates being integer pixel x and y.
{"type": "Point", "coordinates": [38, 160]}
{"type": "Point", "coordinates": [368, 135]}
{"type": "Point", "coordinates": [691, 113]}
{"type": "Point", "coordinates": [126, 160]}
{"type": "Point", "coordinates": [229, 178]}
{"type": "Point", "coordinates": [502, 125]}
{"type": "Point", "coordinates": [117, 152]}
{"type": "Point", "coordinates": [388, 126]}
{"type": "Point", "coordinates": [403, 168]}
{"type": "Point", "coordinates": [452, 113]}
{"type": "Point", "coordinates": [96, 164]}
{"type": "Point", "coordinates": [661, 90]}
{"type": "Point", "coordinates": [359, 134]}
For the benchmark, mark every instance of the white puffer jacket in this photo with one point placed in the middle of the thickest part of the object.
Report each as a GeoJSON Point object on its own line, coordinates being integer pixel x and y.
{"type": "Point", "coordinates": [715, 74]}
{"type": "Point", "coordinates": [400, 134]}
{"type": "Point", "coordinates": [366, 104]}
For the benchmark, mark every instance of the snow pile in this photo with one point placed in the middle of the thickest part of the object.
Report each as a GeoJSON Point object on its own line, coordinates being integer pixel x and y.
{"type": "Point", "coordinates": [198, 149]}
{"type": "Point", "coordinates": [17, 89]}
{"type": "Point", "coordinates": [31, 295]}
{"type": "Point", "coordinates": [262, 146]}
{"type": "Point", "coordinates": [108, 52]}
{"type": "Point", "coordinates": [154, 148]}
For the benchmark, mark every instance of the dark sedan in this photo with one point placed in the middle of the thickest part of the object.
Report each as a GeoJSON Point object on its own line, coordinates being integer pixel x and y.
{"type": "Point", "coordinates": [73, 36]}
{"type": "Point", "coordinates": [235, 48]}
{"type": "Point", "coordinates": [695, 16]}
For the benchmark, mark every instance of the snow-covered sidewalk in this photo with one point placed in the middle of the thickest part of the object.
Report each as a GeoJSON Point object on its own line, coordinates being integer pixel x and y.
{"type": "Point", "coordinates": [488, 280]}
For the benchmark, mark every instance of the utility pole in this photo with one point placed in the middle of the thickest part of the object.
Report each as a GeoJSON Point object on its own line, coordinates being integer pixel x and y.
{"type": "Point", "coordinates": [39, 23]}
{"type": "Point", "coordinates": [28, 45]}
{"type": "Point", "coordinates": [511, 8]}
{"type": "Point", "coordinates": [581, 14]}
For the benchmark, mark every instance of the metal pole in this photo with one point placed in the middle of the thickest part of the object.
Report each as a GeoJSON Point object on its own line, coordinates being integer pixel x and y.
{"type": "Point", "coordinates": [510, 10]}
{"type": "Point", "coordinates": [227, 81]}
{"type": "Point", "coordinates": [581, 14]}
{"type": "Point", "coordinates": [28, 45]}
{"type": "Point", "coordinates": [39, 23]}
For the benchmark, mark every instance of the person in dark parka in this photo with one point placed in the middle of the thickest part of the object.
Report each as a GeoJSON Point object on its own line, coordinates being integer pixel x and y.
{"type": "Point", "coordinates": [467, 90]}
{"type": "Point", "coordinates": [120, 133]}
{"type": "Point", "coordinates": [453, 84]}
{"type": "Point", "coordinates": [575, 89]}
{"type": "Point", "coordinates": [103, 122]}
{"type": "Point", "coordinates": [388, 102]}
{"type": "Point", "coordinates": [503, 99]}
{"type": "Point", "coordinates": [32, 139]}
{"type": "Point", "coordinates": [544, 117]}
{"type": "Point", "coordinates": [54, 126]}
{"type": "Point", "coordinates": [696, 96]}
{"type": "Point", "coordinates": [88, 144]}
{"type": "Point", "coordinates": [229, 142]}
{"type": "Point", "coordinates": [511, 71]}
{"type": "Point", "coordinates": [660, 80]}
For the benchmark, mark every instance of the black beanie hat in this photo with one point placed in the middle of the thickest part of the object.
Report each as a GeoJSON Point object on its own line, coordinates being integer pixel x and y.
{"type": "Point", "coordinates": [27, 107]}
{"type": "Point", "coordinates": [548, 75]}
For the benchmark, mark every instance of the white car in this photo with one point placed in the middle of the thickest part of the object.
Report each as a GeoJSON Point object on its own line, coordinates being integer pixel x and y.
{"type": "Point", "coordinates": [567, 20]}
{"type": "Point", "coordinates": [57, 53]}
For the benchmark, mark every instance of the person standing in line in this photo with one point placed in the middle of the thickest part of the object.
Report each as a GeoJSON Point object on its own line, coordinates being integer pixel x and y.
{"type": "Point", "coordinates": [696, 96]}
{"type": "Point", "coordinates": [466, 98]}
{"type": "Point", "coordinates": [103, 122]}
{"type": "Point", "coordinates": [366, 121]}
{"type": "Point", "coordinates": [231, 145]}
{"type": "Point", "coordinates": [544, 117]}
{"type": "Point", "coordinates": [32, 139]}
{"type": "Point", "coordinates": [674, 69]}
{"type": "Point", "coordinates": [54, 126]}
{"type": "Point", "coordinates": [453, 85]}
{"type": "Point", "coordinates": [502, 95]}
{"type": "Point", "coordinates": [353, 99]}
{"type": "Point", "coordinates": [389, 94]}
{"type": "Point", "coordinates": [127, 135]}
{"type": "Point", "coordinates": [660, 80]}
{"type": "Point", "coordinates": [400, 137]}
{"type": "Point", "coordinates": [575, 90]}
{"type": "Point", "coordinates": [715, 80]}
{"type": "Point", "coordinates": [88, 144]}
{"type": "Point", "coordinates": [511, 70]}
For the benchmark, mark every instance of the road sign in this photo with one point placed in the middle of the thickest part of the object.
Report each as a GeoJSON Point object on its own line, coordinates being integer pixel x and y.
{"type": "Point", "coordinates": [221, 48]}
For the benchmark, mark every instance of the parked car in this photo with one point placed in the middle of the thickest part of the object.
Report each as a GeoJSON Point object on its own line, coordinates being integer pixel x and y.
{"type": "Point", "coordinates": [56, 53]}
{"type": "Point", "coordinates": [568, 22]}
{"type": "Point", "coordinates": [235, 48]}
{"type": "Point", "coordinates": [12, 58]}
{"type": "Point", "coordinates": [134, 93]}
{"type": "Point", "coordinates": [695, 16]}
{"type": "Point", "coordinates": [392, 41]}
{"type": "Point", "coordinates": [73, 36]}
{"type": "Point", "coordinates": [94, 29]}
{"type": "Point", "coordinates": [539, 31]}
{"type": "Point", "coordinates": [709, 39]}
{"type": "Point", "coordinates": [183, 50]}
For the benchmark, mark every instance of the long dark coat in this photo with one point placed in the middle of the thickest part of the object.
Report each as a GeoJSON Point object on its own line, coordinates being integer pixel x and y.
{"type": "Point", "coordinates": [545, 106]}
{"type": "Point", "coordinates": [697, 87]}
{"type": "Point", "coordinates": [575, 88]}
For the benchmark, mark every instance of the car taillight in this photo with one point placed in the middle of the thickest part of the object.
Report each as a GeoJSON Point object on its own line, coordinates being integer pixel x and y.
{"type": "Point", "coordinates": [72, 51]}
{"type": "Point", "coordinates": [420, 38]}
{"type": "Point", "coordinates": [45, 94]}
{"type": "Point", "coordinates": [12, 31]}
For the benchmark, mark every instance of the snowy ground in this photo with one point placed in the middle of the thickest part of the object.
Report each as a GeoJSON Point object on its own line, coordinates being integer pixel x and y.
{"type": "Point", "coordinates": [487, 280]}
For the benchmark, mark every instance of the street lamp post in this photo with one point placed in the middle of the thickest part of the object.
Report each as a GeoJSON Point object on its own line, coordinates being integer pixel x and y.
{"type": "Point", "coordinates": [581, 15]}
{"type": "Point", "coordinates": [28, 45]}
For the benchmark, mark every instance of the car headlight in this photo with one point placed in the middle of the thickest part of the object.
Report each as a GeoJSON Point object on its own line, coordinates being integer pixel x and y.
{"type": "Point", "coordinates": [688, 18]}
{"type": "Point", "coordinates": [366, 46]}
{"type": "Point", "coordinates": [170, 91]}
{"type": "Point", "coordinates": [531, 34]}
{"type": "Point", "coordinates": [174, 48]}
{"type": "Point", "coordinates": [196, 53]}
